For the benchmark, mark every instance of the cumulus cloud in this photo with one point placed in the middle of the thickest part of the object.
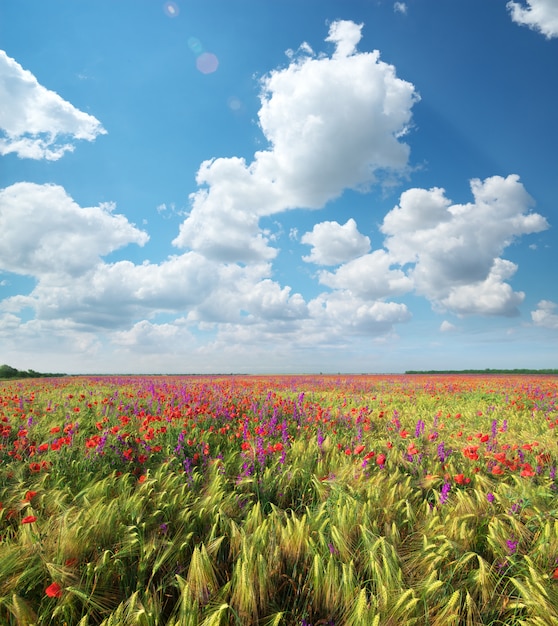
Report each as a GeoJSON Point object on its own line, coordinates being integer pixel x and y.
{"type": "Point", "coordinates": [491, 296]}
{"type": "Point", "coordinates": [447, 327]}
{"type": "Point", "coordinates": [454, 249]}
{"type": "Point", "coordinates": [400, 7]}
{"type": "Point", "coordinates": [44, 231]}
{"type": "Point", "coordinates": [113, 295]}
{"type": "Point", "coordinates": [152, 337]}
{"type": "Point", "coordinates": [545, 315]}
{"type": "Point", "coordinates": [539, 15]}
{"type": "Point", "coordinates": [37, 123]}
{"type": "Point", "coordinates": [370, 276]}
{"type": "Point", "coordinates": [345, 35]}
{"type": "Point", "coordinates": [341, 313]}
{"type": "Point", "coordinates": [333, 243]}
{"type": "Point", "coordinates": [332, 123]}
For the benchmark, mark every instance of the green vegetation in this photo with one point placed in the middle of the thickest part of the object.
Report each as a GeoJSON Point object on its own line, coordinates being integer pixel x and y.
{"type": "Point", "coordinates": [287, 501]}
{"type": "Point", "coordinates": [7, 372]}
{"type": "Point", "coordinates": [524, 371]}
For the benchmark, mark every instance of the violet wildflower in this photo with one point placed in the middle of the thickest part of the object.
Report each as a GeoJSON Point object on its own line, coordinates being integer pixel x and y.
{"type": "Point", "coordinates": [442, 452]}
{"type": "Point", "coordinates": [446, 487]}
{"type": "Point", "coordinates": [320, 438]}
{"type": "Point", "coordinates": [512, 546]}
{"type": "Point", "coordinates": [490, 496]}
{"type": "Point", "coordinates": [419, 428]}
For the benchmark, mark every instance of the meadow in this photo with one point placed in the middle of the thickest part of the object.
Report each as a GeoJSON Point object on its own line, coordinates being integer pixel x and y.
{"type": "Point", "coordinates": [293, 500]}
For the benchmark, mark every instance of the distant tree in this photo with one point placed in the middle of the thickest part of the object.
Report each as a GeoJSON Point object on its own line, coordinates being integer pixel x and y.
{"type": "Point", "coordinates": [6, 371]}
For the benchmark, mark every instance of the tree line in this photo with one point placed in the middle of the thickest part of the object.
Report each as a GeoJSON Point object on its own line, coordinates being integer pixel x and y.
{"type": "Point", "coordinates": [485, 371]}
{"type": "Point", "coordinates": [7, 371]}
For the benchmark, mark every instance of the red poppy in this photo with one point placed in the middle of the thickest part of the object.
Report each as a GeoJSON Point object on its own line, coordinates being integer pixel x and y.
{"type": "Point", "coordinates": [54, 590]}
{"type": "Point", "coordinates": [29, 519]}
{"type": "Point", "coordinates": [381, 459]}
{"type": "Point", "coordinates": [30, 495]}
{"type": "Point", "coordinates": [359, 449]}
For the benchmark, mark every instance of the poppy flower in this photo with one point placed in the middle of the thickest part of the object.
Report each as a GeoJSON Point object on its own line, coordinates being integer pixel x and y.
{"type": "Point", "coordinates": [29, 519]}
{"type": "Point", "coordinates": [54, 590]}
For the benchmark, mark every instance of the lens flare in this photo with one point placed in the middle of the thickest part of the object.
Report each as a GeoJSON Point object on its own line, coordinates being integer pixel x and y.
{"type": "Point", "coordinates": [171, 9]}
{"type": "Point", "coordinates": [207, 63]}
{"type": "Point", "coordinates": [195, 45]}
{"type": "Point", "coordinates": [234, 103]}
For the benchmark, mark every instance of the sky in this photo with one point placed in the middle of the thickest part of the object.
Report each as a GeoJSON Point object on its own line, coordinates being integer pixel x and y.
{"type": "Point", "coordinates": [278, 186]}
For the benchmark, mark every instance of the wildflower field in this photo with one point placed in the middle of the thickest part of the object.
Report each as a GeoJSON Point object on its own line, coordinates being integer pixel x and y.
{"type": "Point", "coordinates": [306, 500]}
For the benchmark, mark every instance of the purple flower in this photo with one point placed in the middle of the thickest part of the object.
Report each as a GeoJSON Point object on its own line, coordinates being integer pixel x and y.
{"type": "Point", "coordinates": [446, 487]}
{"type": "Point", "coordinates": [512, 546]}
{"type": "Point", "coordinates": [490, 497]}
{"type": "Point", "coordinates": [442, 452]}
{"type": "Point", "coordinates": [419, 428]}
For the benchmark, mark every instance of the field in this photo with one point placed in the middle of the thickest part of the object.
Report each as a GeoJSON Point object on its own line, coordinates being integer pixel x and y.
{"type": "Point", "coordinates": [325, 500]}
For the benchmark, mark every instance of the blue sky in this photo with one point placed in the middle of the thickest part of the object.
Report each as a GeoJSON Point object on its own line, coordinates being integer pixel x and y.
{"type": "Point", "coordinates": [273, 186]}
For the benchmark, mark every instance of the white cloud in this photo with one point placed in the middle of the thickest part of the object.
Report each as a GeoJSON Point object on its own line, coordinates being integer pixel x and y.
{"type": "Point", "coordinates": [455, 249]}
{"type": "Point", "coordinates": [447, 327]}
{"type": "Point", "coordinates": [340, 313]}
{"type": "Point", "coordinates": [331, 123]}
{"type": "Point", "coordinates": [36, 123]}
{"type": "Point", "coordinates": [333, 243]}
{"type": "Point", "coordinates": [44, 231]}
{"type": "Point", "coordinates": [545, 316]}
{"type": "Point", "coordinates": [114, 295]}
{"type": "Point", "coordinates": [345, 35]}
{"type": "Point", "coordinates": [369, 276]}
{"type": "Point", "coordinates": [151, 338]}
{"type": "Point", "coordinates": [539, 15]}
{"type": "Point", "coordinates": [491, 296]}
{"type": "Point", "coordinates": [400, 7]}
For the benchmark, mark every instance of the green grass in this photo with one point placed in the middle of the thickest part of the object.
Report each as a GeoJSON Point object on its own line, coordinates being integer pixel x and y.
{"type": "Point", "coordinates": [260, 508]}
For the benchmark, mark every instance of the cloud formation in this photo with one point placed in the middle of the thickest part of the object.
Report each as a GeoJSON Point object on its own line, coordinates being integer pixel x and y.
{"type": "Point", "coordinates": [332, 123]}
{"type": "Point", "coordinates": [539, 15]}
{"type": "Point", "coordinates": [544, 315]}
{"type": "Point", "coordinates": [36, 123]}
{"type": "Point", "coordinates": [455, 249]}
{"type": "Point", "coordinates": [333, 243]}
{"type": "Point", "coordinates": [44, 231]}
